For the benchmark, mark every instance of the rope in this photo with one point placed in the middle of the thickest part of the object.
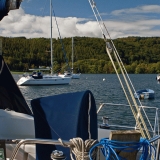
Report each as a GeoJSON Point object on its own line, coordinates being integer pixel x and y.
{"type": "Point", "coordinates": [132, 109]}
{"type": "Point", "coordinates": [109, 148]}
{"type": "Point", "coordinates": [64, 53]}
{"type": "Point", "coordinates": [80, 149]}
{"type": "Point", "coordinates": [136, 111]}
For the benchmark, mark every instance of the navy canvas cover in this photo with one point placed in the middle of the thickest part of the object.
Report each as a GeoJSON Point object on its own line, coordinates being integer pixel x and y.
{"type": "Point", "coordinates": [63, 116]}
{"type": "Point", "coordinates": [3, 9]}
{"type": "Point", "coordinates": [10, 95]}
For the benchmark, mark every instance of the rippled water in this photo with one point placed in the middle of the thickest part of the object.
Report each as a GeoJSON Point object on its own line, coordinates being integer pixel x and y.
{"type": "Point", "coordinates": [104, 91]}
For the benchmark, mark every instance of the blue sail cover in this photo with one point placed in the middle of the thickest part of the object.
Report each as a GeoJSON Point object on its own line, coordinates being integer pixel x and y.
{"type": "Point", "coordinates": [63, 116]}
{"type": "Point", "coordinates": [10, 95]}
{"type": "Point", "coordinates": [6, 6]}
{"type": "Point", "coordinates": [3, 9]}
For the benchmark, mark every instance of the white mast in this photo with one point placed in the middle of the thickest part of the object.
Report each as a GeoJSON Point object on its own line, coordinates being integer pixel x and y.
{"type": "Point", "coordinates": [51, 37]}
{"type": "Point", "coordinates": [72, 54]}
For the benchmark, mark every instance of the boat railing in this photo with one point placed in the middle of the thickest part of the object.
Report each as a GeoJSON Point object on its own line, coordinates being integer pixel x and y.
{"type": "Point", "coordinates": [35, 141]}
{"type": "Point", "coordinates": [66, 144]}
{"type": "Point", "coordinates": [152, 125]}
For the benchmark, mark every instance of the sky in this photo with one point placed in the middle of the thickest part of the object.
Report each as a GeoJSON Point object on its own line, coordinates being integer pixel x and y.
{"type": "Point", "coordinates": [122, 18]}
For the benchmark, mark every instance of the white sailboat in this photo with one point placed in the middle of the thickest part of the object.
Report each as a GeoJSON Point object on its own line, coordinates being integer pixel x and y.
{"type": "Point", "coordinates": [74, 75]}
{"type": "Point", "coordinates": [70, 73]}
{"type": "Point", "coordinates": [37, 78]}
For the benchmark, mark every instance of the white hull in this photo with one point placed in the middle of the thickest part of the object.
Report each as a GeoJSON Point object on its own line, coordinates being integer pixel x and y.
{"type": "Point", "coordinates": [21, 126]}
{"type": "Point", "coordinates": [17, 126]}
{"type": "Point", "coordinates": [46, 80]}
{"type": "Point", "coordinates": [73, 76]}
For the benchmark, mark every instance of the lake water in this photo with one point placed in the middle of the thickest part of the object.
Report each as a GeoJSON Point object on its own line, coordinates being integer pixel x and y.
{"type": "Point", "coordinates": [104, 91]}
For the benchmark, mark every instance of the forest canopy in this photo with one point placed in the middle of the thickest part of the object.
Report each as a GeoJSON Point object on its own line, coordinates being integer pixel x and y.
{"type": "Point", "coordinates": [139, 54]}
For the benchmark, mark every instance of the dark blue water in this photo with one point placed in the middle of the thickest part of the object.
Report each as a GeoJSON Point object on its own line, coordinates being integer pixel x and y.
{"type": "Point", "coordinates": [104, 91]}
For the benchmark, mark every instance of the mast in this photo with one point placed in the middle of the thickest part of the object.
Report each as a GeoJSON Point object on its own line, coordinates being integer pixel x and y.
{"type": "Point", "coordinates": [51, 37]}
{"type": "Point", "coordinates": [72, 54]}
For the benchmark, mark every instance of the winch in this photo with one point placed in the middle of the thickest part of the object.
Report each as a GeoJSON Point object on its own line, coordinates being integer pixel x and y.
{"type": "Point", "coordinates": [57, 155]}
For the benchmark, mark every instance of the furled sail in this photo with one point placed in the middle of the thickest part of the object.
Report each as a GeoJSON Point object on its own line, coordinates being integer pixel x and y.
{"type": "Point", "coordinates": [7, 5]}
{"type": "Point", "coordinates": [11, 97]}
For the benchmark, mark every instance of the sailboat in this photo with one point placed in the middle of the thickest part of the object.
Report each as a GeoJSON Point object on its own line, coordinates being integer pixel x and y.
{"type": "Point", "coordinates": [69, 72]}
{"type": "Point", "coordinates": [37, 78]}
{"type": "Point", "coordinates": [74, 75]}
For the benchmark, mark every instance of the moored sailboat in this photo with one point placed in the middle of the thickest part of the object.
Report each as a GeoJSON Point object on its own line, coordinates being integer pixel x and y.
{"type": "Point", "coordinates": [38, 78]}
{"type": "Point", "coordinates": [70, 72]}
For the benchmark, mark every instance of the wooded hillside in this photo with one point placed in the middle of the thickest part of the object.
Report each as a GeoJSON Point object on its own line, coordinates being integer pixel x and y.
{"type": "Point", "coordinates": [139, 54]}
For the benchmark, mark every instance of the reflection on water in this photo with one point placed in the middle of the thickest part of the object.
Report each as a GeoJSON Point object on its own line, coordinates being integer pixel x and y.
{"type": "Point", "coordinates": [105, 88]}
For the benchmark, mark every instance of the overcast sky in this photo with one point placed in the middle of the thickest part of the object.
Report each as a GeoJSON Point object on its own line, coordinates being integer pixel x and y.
{"type": "Point", "coordinates": [122, 18]}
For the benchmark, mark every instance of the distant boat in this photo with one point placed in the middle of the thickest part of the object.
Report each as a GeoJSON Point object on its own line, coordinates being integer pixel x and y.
{"type": "Point", "coordinates": [158, 77]}
{"type": "Point", "coordinates": [144, 94]}
{"type": "Point", "coordinates": [37, 78]}
{"type": "Point", "coordinates": [69, 72]}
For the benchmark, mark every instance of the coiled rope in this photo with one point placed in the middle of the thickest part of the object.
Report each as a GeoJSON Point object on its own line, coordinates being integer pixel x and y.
{"type": "Point", "coordinates": [109, 147]}
{"type": "Point", "coordinates": [80, 149]}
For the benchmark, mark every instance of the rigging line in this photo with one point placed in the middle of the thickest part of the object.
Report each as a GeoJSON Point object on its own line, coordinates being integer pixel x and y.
{"type": "Point", "coordinates": [111, 41]}
{"type": "Point", "coordinates": [126, 74]}
{"type": "Point", "coordinates": [137, 108]}
{"type": "Point", "coordinates": [133, 111]}
{"type": "Point", "coordinates": [114, 46]}
{"type": "Point", "coordinates": [60, 38]}
{"type": "Point", "coordinates": [127, 77]}
{"type": "Point", "coordinates": [94, 6]}
{"type": "Point", "coordinates": [131, 94]}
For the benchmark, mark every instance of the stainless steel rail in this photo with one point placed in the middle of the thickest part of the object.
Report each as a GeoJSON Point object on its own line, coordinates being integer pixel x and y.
{"type": "Point", "coordinates": [154, 129]}
{"type": "Point", "coordinates": [36, 141]}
